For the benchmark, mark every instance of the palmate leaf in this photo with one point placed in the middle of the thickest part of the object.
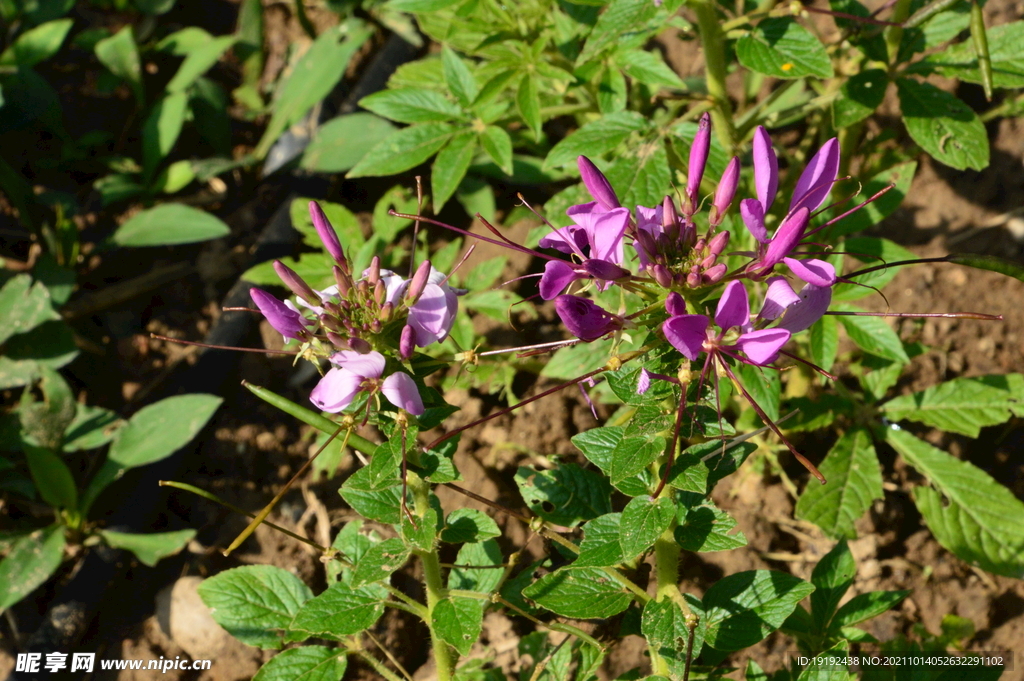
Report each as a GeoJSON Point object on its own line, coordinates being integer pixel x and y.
{"type": "Point", "coordinates": [963, 405]}
{"type": "Point", "coordinates": [970, 514]}
{"type": "Point", "coordinates": [782, 48]}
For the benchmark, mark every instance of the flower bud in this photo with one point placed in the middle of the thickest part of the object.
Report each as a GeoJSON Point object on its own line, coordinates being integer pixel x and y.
{"type": "Point", "coordinates": [342, 280]}
{"type": "Point", "coordinates": [386, 311]}
{"type": "Point", "coordinates": [675, 304]}
{"type": "Point", "coordinates": [708, 262]}
{"type": "Point", "coordinates": [285, 320]}
{"type": "Point", "coordinates": [688, 235]}
{"type": "Point", "coordinates": [331, 323]}
{"type": "Point", "coordinates": [295, 283]}
{"type": "Point", "coordinates": [725, 192]}
{"type": "Point", "coordinates": [700, 245]}
{"type": "Point", "coordinates": [584, 319]}
{"type": "Point", "coordinates": [693, 280]}
{"type": "Point", "coordinates": [715, 274]}
{"type": "Point", "coordinates": [418, 283]}
{"type": "Point", "coordinates": [375, 326]}
{"type": "Point", "coordinates": [372, 274]}
{"type": "Point", "coordinates": [362, 289]}
{"type": "Point", "coordinates": [407, 342]}
{"type": "Point", "coordinates": [360, 345]}
{"type": "Point", "coordinates": [379, 292]}
{"type": "Point", "coordinates": [718, 243]}
{"type": "Point", "coordinates": [597, 184]}
{"type": "Point", "coordinates": [327, 234]}
{"type": "Point", "coordinates": [698, 160]}
{"type": "Point", "coordinates": [337, 341]}
{"type": "Point", "coordinates": [669, 218]}
{"type": "Point", "coordinates": [661, 275]}
{"type": "Point", "coordinates": [648, 244]}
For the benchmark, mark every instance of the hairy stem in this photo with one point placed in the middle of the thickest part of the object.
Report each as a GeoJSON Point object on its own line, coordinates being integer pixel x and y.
{"type": "Point", "coordinates": [432, 582]}
{"type": "Point", "coordinates": [713, 43]}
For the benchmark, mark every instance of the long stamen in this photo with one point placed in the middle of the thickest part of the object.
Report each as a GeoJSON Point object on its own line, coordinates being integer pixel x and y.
{"type": "Point", "coordinates": [506, 244]}
{"type": "Point", "coordinates": [949, 315]}
{"type": "Point", "coordinates": [813, 366]}
{"type": "Point", "coordinates": [856, 208]}
{"type": "Point", "coordinates": [898, 263]}
{"type": "Point", "coordinates": [554, 345]}
{"type": "Point", "coordinates": [222, 347]}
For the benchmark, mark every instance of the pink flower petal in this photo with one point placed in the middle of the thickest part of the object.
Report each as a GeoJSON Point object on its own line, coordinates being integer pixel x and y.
{"type": "Point", "coordinates": [429, 317]}
{"type": "Point", "coordinates": [370, 365]}
{"type": "Point", "coordinates": [814, 302]}
{"type": "Point", "coordinates": [605, 232]}
{"type": "Point", "coordinates": [734, 307]}
{"type": "Point", "coordinates": [557, 275]}
{"type": "Point", "coordinates": [762, 347]}
{"type": "Point", "coordinates": [643, 383]}
{"type": "Point", "coordinates": [402, 392]}
{"type": "Point", "coordinates": [753, 217]}
{"type": "Point", "coordinates": [687, 333]}
{"type": "Point", "coordinates": [780, 295]}
{"type": "Point", "coordinates": [766, 169]}
{"type": "Point", "coordinates": [816, 181]}
{"type": "Point", "coordinates": [786, 238]}
{"type": "Point", "coordinates": [817, 272]}
{"type": "Point", "coordinates": [336, 390]}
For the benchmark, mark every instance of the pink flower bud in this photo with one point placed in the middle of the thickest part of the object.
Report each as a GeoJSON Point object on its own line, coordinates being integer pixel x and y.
{"type": "Point", "coordinates": [295, 283]}
{"type": "Point", "coordinates": [662, 276]}
{"type": "Point", "coordinates": [584, 319]}
{"type": "Point", "coordinates": [708, 262]}
{"type": "Point", "coordinates": [669, 218]}
{"type": "Point", "coordinates": [386, 311]}
{"type": "Point", "coordinates": [379, 291]}
{"type": "Point", "coordinates": [337, 341]}
{"type": "Point", "coordinates": [407, 342]}
{"type": "Point", "coordinates": [715, 274]}
{"type": "Point", "coordinates": [342, 280]}
{"type": "Point", "coordinates": [597, 184]}
{"type": "Point", "coordinates": [693, 280]}
{"type": "Point", "coordinates": [698, 160]}
{"type": "Point", "coordinates": [285, 320]}
{"type": "Point", "coordinates": [418, 282]}
{"type": "Point", "coordinates": [360, 345]}
{"type": "Point", "coordinates": [725, 192]}
{"type": "Point", "coordinates": [373, 271]}
{"type": "Point", "coordinates": [675, 304]}
{"type": "Point", "coordinates": [327, 234]}
{"type": "Point", "coordinates": [718, 243]}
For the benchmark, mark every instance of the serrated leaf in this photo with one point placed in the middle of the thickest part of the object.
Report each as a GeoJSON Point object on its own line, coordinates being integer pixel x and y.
{"type": "Point", "coordinates": [412, 105]}
{"type": "Point", "coordinates": [467, 525]}
{"type": "Point", "coordinates": [832, 577]}
{"type": "Point", "coordinates": [404, 149]}
{"type": "Point", "coordinates": [854, 482]}
{"type": "Point", "coordinates": [648, 68]}
{"type": "Point", "coordinates": [383, 504]}
{"type": "Point", "coordinates": [943, 125]}
{"type": "Point", "coordinates": [170, 224]}
{"type": "Point", "coordinates": [450, 167]}
{"type": "Point", "coordinates": [620, 17]}
{"type": "Point", "coordinates": [581, 593]}
{"type": "Point", "coordinates": [963, 405]}
{"type": "Point", "coordinates": [498, 146]}
{"type": "Point", "coordinates": [149, 548]}
{"type": "Point", "coordinates": [824, 342]}
{"type": "Point", "coordinates": [704, 527]}
{"type": "Point", "coordinates": [663, 624]}
{"type": "Point", "coordinates": [484, 579]}
{"type": "Point", "coordinates": [342, 610]}
{"type": "Point", "coordinates": [458, 621]}
{"type": "Point", "coordinates": [29, 562]}
{"type": "Point", "coordinates": [307, 663]}
{"type": "Point", "coordinates": [865, 606]}
{"type": "Point", "coordinates": [600, 546]}
{"type": "Point", "coordinates": [633, 455]}
{"type": "Point", "coordinates": [380, 561]}
{"type": "Point", "coordinates": [743, 608]}
{"type": "Point", "coordinates": [342, 142]}
{"type": "Point", "coordinates": [859, 97]}
{"type": "Point", "coordinates": [255, 603]}
{"type": "Point", "coordinates": [970, 514]}
{"type": "Point", "coordinates": [689, 473]}
{"type": "Point", "coordinates": [644, 520]}
{"type": "Point", "coordinates": [24, 306]}
{"type": "Point", "coordinates": [782, 48]}
{"type": "Point", "coordinates": [422, 535]}
{"type": "Point", "coordinates": [873, 335]}
{"type": "Point", "coordinates": [528, 104]}
{"type": "Point", "coordinates": [595, 138]}
{"type": "Point", "coordinates": [566, 495]}
{"type": "Point", "coordinates": [158, 430]}
{"type": "Point", "coordinates": [459, 78]}
{"type": "Point", "coordinates": [611, 90]}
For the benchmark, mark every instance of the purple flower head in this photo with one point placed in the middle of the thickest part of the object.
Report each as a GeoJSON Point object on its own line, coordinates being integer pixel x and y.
{"type": "Point", "coordinates": [772, 251]}
{"type": "Point", "coordinates": [766, 169]}
{"type": "Point", "coordinates": [327, 234]}
{"type": "Point", "coordinates": [601, 234]}
{"type": "Point", "coordinates": [811, 305]}
{"type": "Point", "coordinates": [662, 234]}
{"type": "Point", "coordinates": [354, 372]}
{"type": "Point", "coordinates": [286, 320]}
{"type": "Point", "coordinates": [816, 181]}
{"type": "Point", "coordinates": [698, 160]}
{"type": "Point", "coordinates": [432, 315]}
{"type": "Point", "coordinates": [585, 319]}
{"type": "Point", "coordinates": [598, 186]}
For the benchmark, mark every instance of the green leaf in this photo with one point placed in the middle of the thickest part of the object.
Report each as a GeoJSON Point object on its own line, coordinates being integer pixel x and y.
{"type": "Point", "coordinates": [873, 335]}
{"type": "Point", "coordinates": [422, 535]}
{"type": "Point", "coordinates": [782, 48]}
{"type": "Point", "coordinates": [498, 146]}
{"type": "Point", "coordinates": [91, 428]}
{"type": "Point", "coordinates": [644, 520]}
{"type": "Point", "coordinates": [601, 546]}
{"type": "Point", "coordinates": [412, 105]}
{"type": "Point", "coordinates": [649, 68]}
{"type": "Point", "coordinates": [859, 97]}
{"type": "Point", "coordinates": [826, 666]}
{"type": "Point", "coordinates": [255, 603]}
{"type": "Point", "coordinates": [741, 609]}
{"type": "Point", "coordinates": [689, 473]}
{"type": "Point", "coordinates": [865, 606]}
{"type": "Point", "coordinates": [595, 138]}
{"type": "Point", "coordinates": [633, 455]}
{"type": "Point", "coordinates": [824, 342]}
{"type": "Point", "coordinates": [52, 477]}
{"type": "Point", "coordinates": [1005, 53]}
{"type": "Point", "coordinates": [380, 561]}
{"type": "Point", "coordinates": [611, 91]}
{"type": "Point", "coordinates": [199, 61]}
{"type": "Point", "coordinates": [943, 125]}
{"type": "Point", "coordinates": [620, 17]}
{"type": "Point", "coordinates": [854, 482]}
{"type": "Point", "coordinates": [970, 514]}
{"type": "Point", "coordinates": [528, 104]}
{"type": "Point", "coordinates": [459, 78]}
{"type": "Point", "coordinates": [173, 178]}
{"type": "Point", "coordinates": [467, 525]}
{"type": "Point", "coordinates": [704, 527]}
{"type": "Point", "coordinates": [404, 149]}
{"type": "Point", "coordinates": [963, 405]}
{"type": "Point", "coordinates": [566, 495]}
{"type": "Point", "coordinates": [580, 593]}
{"type": "Point", "coordinates": [158, 430]}
{"type": "Point", "coordinates": [30, 562]}
{"type": "Point", "coordinates": [169, 224]}
{"type": "Point", "coordinates": [312, 78]}
{"type": "Point", "coordinates": [308, 663]}
{"type": "Point", "coordinates": [382, 503]}
{"type": "Point", "coordinates": [36, 44]}
{"type": "Point", "coordinates": [663, 624]}
{"type": "Point", "coordinates": [764, 386]}
{"type": "Point", "coordinates": [832, 578]}
{"type": "Point", "coordinates": [43, 422]}
{"type": "Point", "coordinates": [343, 141]}
{"type": "Point", "coordinates": [901, 175]}
{"type": "Point", "coordinates": [149, 548]}
{"type": "Point", "coordinates": [458, 621]}
{"type": "Point", "coordinates": [450, 167]}
{"type": "Point", "coordinates": [420, 5]}
{"type": "Point", "coordinates": [341, 610]}
{"type": "Point", "coordinates": [643, 177]}
{"type": "Point", "coordinates": [485, 579]}
{"type": "Point", "coordinates": [161, 130]}
{"type": "Point", "coordinates": [24, 306]}
{"type": "Point", "coordinates": [120, 55]}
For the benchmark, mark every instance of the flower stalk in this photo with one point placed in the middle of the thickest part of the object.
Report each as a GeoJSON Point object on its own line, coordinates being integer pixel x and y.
{"type": "Point", "coordinates": [713, 44]}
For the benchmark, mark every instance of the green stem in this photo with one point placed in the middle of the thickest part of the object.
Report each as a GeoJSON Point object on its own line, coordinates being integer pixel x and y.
{"type": "Point", "coordinates": [432, 582]}
{"type": "Point", "coordinates": [894, 34]}
{"type": "Point", "coordinates": [713, 43]}
{"type": "Point", "coordinates": [378, 666]}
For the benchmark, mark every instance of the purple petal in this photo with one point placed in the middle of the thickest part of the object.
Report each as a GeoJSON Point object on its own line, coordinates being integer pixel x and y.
{"type": "Point", "coordinates": [649, 219]}
{"type": "Point", "coordinates": [643, 383]}
{"type": "Point", "coordinates": [817, 272]}
{"type": "Point", "coordinates": [786, 238]}
{"type": "Point", "coordinates": [566, 239]}
{"type": "Point", "coordinates": [698, 159]}
{"type": "Point", "coordinates": [402, 392]}
{"type": "Point", "coordinates": [814, 302]}
{"type": "Point", "coordinates": [734, 307]}
{"type": "Point", "coordinates": [584, 319]}
{"type": "Point", "coordinates": [675, 304]}
{"type": "Point", "coordinates": [286, 321]}
{"type": "Point", "coordinates": [557, 275]}
{"type": "Point", "coordinates": [762, 347]}
{"type": "Point", "coordinates": [370, 365]}
{"type": "Point", "coordinates": [597, 184]}
{"type": "Point", "coordinates": [336, 390]}
{"type": "Point", "coordinates": [766, 169]}
{"type": "Point", "coordinates": [816, 181]}
{"type": "Point", "coordinates": [602, 269]}
{"type": "Point", "coordinates": [429, 317]}
{"type": "Point", "coordinates": [780, 295]}
{"type": "Point", "coordinates": [687, 333]}
{"type": "Point", "coordinates": [753, 217]}
{"type": "Point", "coordinates": [605, 232]}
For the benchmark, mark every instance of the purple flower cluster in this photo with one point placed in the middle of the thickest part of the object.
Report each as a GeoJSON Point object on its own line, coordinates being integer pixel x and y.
{"type": "Point", "coordinates": [358, 321]}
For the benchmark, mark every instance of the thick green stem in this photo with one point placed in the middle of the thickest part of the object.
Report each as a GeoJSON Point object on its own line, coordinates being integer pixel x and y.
{"type": "Point", "coordinates": [666, 565]}
{"type": "Point", "coordinates": [713, 43]}
{"type": "Point", "coordinates": [894, 34]}
{"type": "Point", "coordinates": [433, 582]}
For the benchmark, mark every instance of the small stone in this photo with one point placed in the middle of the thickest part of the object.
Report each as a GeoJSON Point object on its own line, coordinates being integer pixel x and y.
{"type": "Point", "coordinates": [187, 621]}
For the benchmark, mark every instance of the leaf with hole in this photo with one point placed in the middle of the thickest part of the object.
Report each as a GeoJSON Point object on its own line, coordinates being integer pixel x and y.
{"type": "Point", "coordinates": [458, 621]}
{"type": "Point", "coordinates": [644, 520]}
